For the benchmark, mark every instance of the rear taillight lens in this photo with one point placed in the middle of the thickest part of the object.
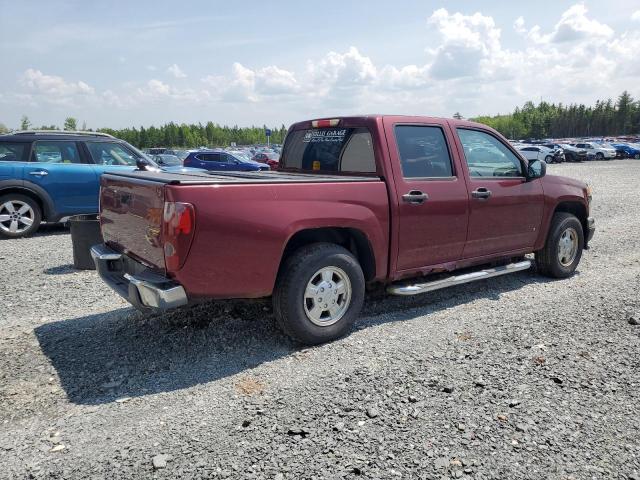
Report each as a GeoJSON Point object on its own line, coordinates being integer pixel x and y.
{"type": "Point", "coordinates": [177, 233]}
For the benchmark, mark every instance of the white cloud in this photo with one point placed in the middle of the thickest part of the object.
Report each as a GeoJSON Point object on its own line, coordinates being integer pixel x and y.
{"type": "Point", "coordinates": [467, 41]}
{"type": "Point", "coordinates": [272, 80]}
{"type": "Point", "coordinates": [467, 67]}
{"type": "Point", "coordinates": [636, 15]}
{"type": "Point", "coordinates": [176, 71]}
{"type": "Point", "coordinates": [574, 25]}
{"type": "Point", "coordinates": [346, 69]}
{"type": "Point", "coordinates": [52, 85]}
{"type": "Point", "coordinates": [245, 84]}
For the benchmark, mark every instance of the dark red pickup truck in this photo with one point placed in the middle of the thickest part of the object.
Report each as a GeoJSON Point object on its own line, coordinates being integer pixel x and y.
{"type": "Point", "coordinates": [403, 201]}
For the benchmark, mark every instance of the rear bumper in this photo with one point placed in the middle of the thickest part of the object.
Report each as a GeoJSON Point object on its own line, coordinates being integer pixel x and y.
{"type": "Point", "coordinates": [143, 288]}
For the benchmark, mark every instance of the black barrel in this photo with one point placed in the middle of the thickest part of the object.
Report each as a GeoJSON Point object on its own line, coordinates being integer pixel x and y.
{"type": "Point", "coordinates": [85, 233]}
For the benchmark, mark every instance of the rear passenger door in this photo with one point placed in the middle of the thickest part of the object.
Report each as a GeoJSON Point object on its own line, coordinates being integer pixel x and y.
{"type": "Point", "coordinates": [431, 195]}
{"type": "Point", "coordinates": [67, 175]}
{"type": "Point", "coordinates": [211, 161]}
{"type": "Point", "coordinates": [505, 209]}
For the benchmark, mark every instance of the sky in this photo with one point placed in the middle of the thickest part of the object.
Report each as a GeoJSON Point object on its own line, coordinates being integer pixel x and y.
{"type": "Point", "coordinates": [131, 63]}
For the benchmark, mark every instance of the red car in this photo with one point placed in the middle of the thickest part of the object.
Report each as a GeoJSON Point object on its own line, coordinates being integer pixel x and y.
{"type": "Point", "coordinates": [270, 158]}
{"type": "Point", "coordinates": [356, 200]}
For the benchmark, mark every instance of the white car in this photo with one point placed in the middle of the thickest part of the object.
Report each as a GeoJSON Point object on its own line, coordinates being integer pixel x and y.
{"type": "Point", "coordinates": [536, 152]}
{"type": "Point", "coordinates": [597, 150]}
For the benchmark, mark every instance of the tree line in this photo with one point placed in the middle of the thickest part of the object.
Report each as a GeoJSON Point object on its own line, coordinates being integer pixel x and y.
{"type": "Point", "coordinates": [174, 135]}
{"type": "Point", "coordinates": [544, 120]}
{"type": "Point", "coordinates": [196, 135]}
{"type": "Point", "coordinates": [550, 120]}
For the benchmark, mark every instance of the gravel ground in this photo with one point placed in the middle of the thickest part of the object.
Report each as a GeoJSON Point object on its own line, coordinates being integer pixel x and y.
{"type": "Point", "coordinates": [515, 377]}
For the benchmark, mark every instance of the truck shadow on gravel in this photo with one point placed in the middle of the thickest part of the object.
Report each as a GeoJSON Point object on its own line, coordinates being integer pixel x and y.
{"type": "Point", "coordinates": [100, 358]}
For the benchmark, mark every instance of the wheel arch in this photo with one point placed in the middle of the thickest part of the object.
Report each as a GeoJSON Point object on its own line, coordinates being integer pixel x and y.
{"type": "Point", "coordinates": [575, 208]}
{"type": "Point", "coordinates": [38, 194]}
{"type": "Point", "coordinates": [353, 239]}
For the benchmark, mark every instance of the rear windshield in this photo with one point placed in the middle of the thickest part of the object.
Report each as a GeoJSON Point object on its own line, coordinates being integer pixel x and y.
{"type": "Point", "coordinates": [329, 150]}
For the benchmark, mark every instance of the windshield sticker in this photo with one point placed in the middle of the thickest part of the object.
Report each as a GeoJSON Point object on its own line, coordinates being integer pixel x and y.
{"type": "Point", "coordinates": [318, 136]}
{"type": "Point", "coordinates": [316, 165]}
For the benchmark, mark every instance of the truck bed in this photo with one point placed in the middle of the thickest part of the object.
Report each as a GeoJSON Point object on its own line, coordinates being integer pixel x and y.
{"type": "Point", "coordinates": [209, 178]}
{"type": "Point", "coordinates": [243, 221]}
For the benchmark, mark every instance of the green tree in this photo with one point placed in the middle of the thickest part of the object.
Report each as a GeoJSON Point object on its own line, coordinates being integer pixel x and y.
{"type": "Point", "coordinates": [25, 123]}
{"type": "Point", "coordinates": [70, 123]}
{"type": "Point", "coordinates": [3, 128]}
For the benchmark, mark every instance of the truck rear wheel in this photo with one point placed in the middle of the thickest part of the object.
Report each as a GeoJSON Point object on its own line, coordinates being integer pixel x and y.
{"type": "Point", "coordinates": [563, 249]}
{"type": "Point", "coordinates": [319, 294]}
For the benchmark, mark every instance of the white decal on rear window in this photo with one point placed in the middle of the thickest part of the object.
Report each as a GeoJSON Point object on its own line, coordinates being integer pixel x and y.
{"type": "Point", "coordinates": [325, 135]}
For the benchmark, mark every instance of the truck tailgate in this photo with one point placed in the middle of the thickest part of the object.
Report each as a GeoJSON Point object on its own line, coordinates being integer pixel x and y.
{"type": "Point", "coordinates": [131, 212]}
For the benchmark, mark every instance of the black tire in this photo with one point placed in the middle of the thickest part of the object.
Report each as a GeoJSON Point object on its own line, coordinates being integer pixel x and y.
{"type": "Point", "coordinates": [547, 259]}
{"type": "Point", "coordinates": [36, 215]}
{"type": "Point", "coordinates": [599, 156]}
{"type": "Point", "coordinates": [289, 296]}
{"type": "Point", "coordinates": [548, 159]}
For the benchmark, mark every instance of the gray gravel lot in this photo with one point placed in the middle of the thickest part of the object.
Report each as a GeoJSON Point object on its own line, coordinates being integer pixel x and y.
{"type": "Point", "coordinates": [515, 377]}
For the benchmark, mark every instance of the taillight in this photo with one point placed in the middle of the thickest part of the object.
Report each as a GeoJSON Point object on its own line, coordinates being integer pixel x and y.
{"type": "Point", "coordinates": [178, 226]}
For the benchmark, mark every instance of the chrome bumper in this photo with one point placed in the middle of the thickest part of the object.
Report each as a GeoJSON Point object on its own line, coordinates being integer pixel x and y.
{"type": "Point", "coordinates": [137, 284]}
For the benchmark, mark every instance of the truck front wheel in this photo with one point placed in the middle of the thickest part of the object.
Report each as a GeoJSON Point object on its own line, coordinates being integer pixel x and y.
{"type": "Point", "coordinates": [563, 248]}
{"type": "Point", "coordinates": [319, 294]}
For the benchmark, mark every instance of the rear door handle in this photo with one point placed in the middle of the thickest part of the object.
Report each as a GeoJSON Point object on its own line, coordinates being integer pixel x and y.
{"type": "Point", "coordinates": [481, 193]}
{"type": "Point", "coordinates": [39, 173]}
{"type": "Point", "coordinates": [415, 197]}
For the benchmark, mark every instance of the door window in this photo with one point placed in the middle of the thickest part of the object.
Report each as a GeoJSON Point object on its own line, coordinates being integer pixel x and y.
{"type": "Point", "coordinates": [423, 152]}
{"type": "Point", "coordinates": [12, 152]}
{"type": "Point", "coordinates": [111, 153]}
{"type": "Point", "coordinates": [56, 152]}
{"type": "Point", "coordinates": [487, 156]}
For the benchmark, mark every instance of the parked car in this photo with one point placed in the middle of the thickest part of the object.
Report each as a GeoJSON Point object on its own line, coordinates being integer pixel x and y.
{"type": "Point", "coordinates": [357, 200]}
{"type": "Point", "coordinates": [538, 152]}
{"type": "Point", "coordinates": [571, 154]}
{"type": "Point", "coordinates": [223, 161]}
{"type": "Point", "coordinates": [627, 150]}
{"type": "Point", "coordinates": [270, 158]}
{"type": "Point", "coordinates": [597, 151]}
{"type": "Point", "coordinates": [49, 175]}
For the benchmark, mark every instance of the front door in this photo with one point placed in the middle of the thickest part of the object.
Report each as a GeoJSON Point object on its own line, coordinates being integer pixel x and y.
{"type": "Point", "coordinates": [431, 195]}
{"type": "Point", "coordinates": [59, 168]}
{"type": "Point", "coordinates": [505, 210]}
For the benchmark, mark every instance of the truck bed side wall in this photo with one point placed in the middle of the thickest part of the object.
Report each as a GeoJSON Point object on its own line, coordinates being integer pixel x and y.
{"type": "Point", "coordinates": [242, 231]}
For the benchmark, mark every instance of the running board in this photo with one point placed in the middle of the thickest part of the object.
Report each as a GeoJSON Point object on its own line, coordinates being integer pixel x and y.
{"type": "Point", "coordinates": [458, 279]}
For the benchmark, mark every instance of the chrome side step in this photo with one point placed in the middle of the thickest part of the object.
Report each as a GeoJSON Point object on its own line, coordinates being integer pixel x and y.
{"type": "Point", "coordinates": [458, 279]}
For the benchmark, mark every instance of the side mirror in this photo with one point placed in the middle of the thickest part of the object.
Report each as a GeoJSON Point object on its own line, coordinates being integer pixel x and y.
{"type": "Point", "coordinates": [536, 169]}
{"type": "Point", "coordinates": [142, 164]}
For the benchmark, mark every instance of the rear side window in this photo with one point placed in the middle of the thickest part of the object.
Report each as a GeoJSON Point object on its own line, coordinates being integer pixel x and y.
{"type": "Point", "coordinates": [329, 150]}
{"type": "Point", "coordinates": [209, 157]}
{"type": "Point", "coordinates": [12, 152]}
{"type": "Point", "coordinates": [423, 152]}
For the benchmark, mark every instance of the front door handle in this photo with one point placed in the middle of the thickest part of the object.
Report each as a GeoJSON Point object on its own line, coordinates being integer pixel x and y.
{"type": "Point", "coordinates": [39, 173]}
{"type": "Point", "coordinates": [415, 197]}
{"type": "Point", "coordinates": [481, 193]}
